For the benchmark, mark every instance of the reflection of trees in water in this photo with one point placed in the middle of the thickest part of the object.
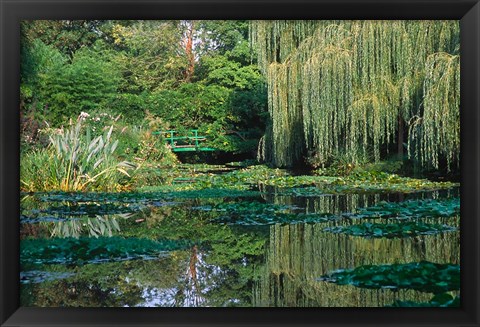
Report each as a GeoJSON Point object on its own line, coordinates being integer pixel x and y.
{"type": "Point", "coordinates": [98, 226]}
{"type": "Point", "coordinates": [341, 203]}
{"type": "Point", "coordinates": [334, 204]}
{"type": "Point", "coordinates": [32, 230]}
{"type": "Point", "coordinates": [187, 281]}
{"type": "Point", "coordinates": [192, 292]}
{"type": "Point", "coordinates": [298, 254]}
{"type": "Point", "coordinates": [217, 271]}
{"type": "Point", "coordinates": [189, 293]}
{"type": "Point", "coordinates": [228, 262]}
{"type": "Point", "coordinates": [222, 276]}
{"type": "Point", "coordinates": [81, 293]}
{"type": "Point", "coordinates": [337, 204]}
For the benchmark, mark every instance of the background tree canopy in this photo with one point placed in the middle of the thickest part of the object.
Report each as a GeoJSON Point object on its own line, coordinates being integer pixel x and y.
{"type": "Point", "coordinates": [189, 74]}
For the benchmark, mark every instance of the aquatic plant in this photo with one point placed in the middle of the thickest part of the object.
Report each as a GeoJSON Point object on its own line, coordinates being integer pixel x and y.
{"type": "Point", "coordinates": [422, 276]}
{"type": "Point", "coordinates": [404, 229]}
{"type": "Point", "coordinates": [253, 207]}
{"type": "Point", "coordinates": [369, 183]}
{"type": "Point", "coordinates": [254, 213]}
{"type": "Point", "coordinates": [263, 219]}
{"type": "Point", "coordinates": [154, 198]}
{"type": "Point", "coordinates": [355, 87]}
{"type": "Point", "coordinates": [449, 207]}
{"type": "Point", "coordinates": [355, 182]}
{"type": "Point", "coordinates": [39, 276]}
{"type": "Point", "coordinates": [439, 300]}
{"type": "Point", "coordinates": [92, 250]}
{"type": "Point", "coordinates": [91, 209]}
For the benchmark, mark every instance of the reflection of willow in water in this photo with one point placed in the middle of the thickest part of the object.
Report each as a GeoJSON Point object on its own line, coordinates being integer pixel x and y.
{"type": "Point", "coordinates": [342, 203]}
{"type": "Point", "coordinates": [325, 204]}
{"type": "Point", "coordinates": [337, 204]}
{"type": "Point", "coordinates": [298, 254]}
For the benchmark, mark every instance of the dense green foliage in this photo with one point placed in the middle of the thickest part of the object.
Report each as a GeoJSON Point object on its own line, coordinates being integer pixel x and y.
{"type": "Point", "coordinates": [357, 88]}
{"type": "Point", "coordinates": [147, 72]}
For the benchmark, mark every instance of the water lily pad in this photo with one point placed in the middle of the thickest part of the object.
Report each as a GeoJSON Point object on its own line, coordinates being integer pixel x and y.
{"type": "Point", "coordinates": [92, 209]}
{"type": "Point", "coordinates": [144, 197]}
{"type": "Point", "coordinates": [429, 208]}
{"type": "Point", "coordinates": [421, 276]}
{"type": "Point", "coordinates": [274, 218]}
{"type": "Point", "coordinates": [91, 250]}
{"type": "Point", "coordinates": [383, 183]}
{"type": "Point", "coordinates": [33, 220]}
{"type": "Point", "coordinates": [443, 300]}
{"type": "Point", "coordinates": [253, 207]}
{"type": "Point", "coordinates": [405, 229]}
{"type": "Point", "coordinates": [38, 276]}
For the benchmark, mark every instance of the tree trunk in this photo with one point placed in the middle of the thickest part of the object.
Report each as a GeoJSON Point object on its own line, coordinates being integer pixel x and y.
{"type": "Point", "coordinates": [189, 51]}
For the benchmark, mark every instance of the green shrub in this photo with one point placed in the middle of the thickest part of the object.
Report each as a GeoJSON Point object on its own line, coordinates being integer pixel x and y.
{"type": "Point", "coordinates": [153, 149]}
{"type": "Point", "coordinates": [88, 83]}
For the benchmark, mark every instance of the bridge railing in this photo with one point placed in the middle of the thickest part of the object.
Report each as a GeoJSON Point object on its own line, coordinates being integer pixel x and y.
{"type": "Point", "coordinates": [190, 142]}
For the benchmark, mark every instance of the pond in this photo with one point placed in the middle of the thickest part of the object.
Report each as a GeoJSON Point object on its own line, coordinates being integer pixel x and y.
{"type": "Point", "coordinates": [227, 236]}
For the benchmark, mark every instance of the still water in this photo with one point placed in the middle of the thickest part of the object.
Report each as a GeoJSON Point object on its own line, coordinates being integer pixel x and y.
{"type": "Point", "coordinates": [263, 249]}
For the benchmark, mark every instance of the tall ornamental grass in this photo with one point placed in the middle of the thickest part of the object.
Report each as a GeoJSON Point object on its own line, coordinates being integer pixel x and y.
{"type": "Point", "coordinates": [75, 161]}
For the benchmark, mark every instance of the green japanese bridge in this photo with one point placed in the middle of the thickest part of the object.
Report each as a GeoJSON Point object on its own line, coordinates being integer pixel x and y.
{"type": "Point", "coordinates": [185, 143]}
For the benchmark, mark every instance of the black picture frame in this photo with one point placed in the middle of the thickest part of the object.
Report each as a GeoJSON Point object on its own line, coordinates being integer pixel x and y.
{"type": "Point", "coordinates": [13, 11]}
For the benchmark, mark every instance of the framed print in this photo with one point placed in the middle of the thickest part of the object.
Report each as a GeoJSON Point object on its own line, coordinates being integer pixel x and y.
{"type": "Point", "coordinates": [239, 163]}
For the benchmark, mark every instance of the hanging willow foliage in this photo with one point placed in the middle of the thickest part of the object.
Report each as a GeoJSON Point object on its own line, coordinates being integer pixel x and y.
{"type": "Point", "coordinates": [341, 88]}
{"type": "Point", "coordinates": [439, 127]}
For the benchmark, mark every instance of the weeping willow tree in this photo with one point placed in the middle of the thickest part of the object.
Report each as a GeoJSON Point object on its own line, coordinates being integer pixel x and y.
{"type": "Point", "coordinates": [355, 88]}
